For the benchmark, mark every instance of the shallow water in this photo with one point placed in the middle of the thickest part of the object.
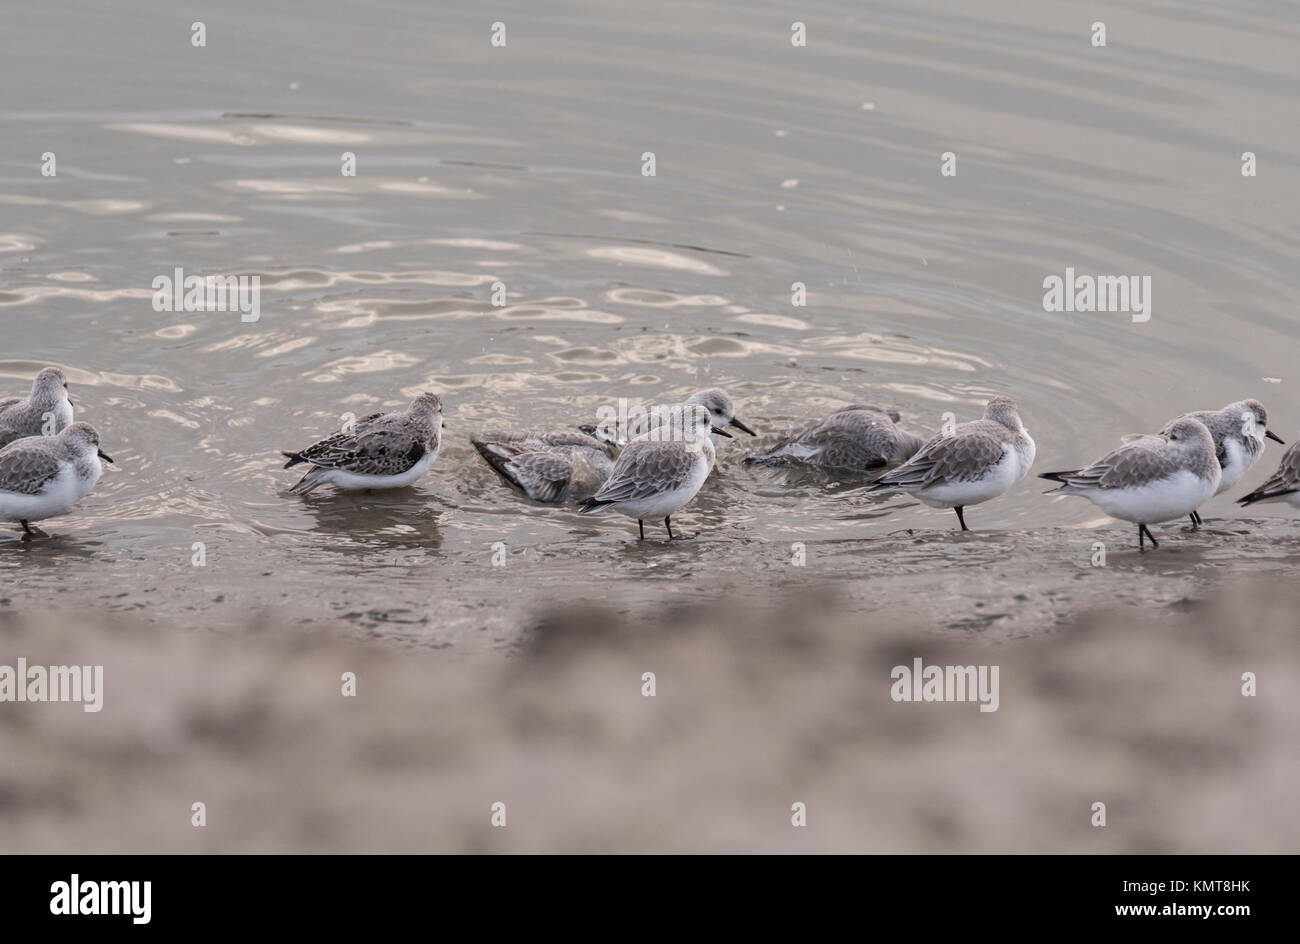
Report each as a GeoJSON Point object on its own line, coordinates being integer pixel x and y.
{"type": "Point", "coordinates": [522, 164]}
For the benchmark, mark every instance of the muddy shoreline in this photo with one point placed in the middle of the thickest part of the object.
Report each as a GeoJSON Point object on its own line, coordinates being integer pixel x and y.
{"type": "Point", "coordinates": [1003, 585]}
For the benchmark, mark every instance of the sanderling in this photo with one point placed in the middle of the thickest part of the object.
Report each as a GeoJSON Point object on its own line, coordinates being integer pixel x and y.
{"type": "Point", "coordinates": [549, 467]}
{"type": "Point", "coordinates": [722, 412]}
{"type": "Point", "coordinates": [44, 476]}
{"type": "Point", "coordinates": [49, 399]}
{"type": "Point", "coordinates": [660, 472]}
{"type": "Point", "coordinates": [382, 450]}
{"type": "Point", "coordinates": [854, 438]}
{"type": "Point", "coordinates": [972, 463]}
{"type": "Point", "coordinates": [1149, 479]}
{"type": "Point", "coordinates": [1238, 431]}
{"type": "Point", "coordinates": [1283, 485]}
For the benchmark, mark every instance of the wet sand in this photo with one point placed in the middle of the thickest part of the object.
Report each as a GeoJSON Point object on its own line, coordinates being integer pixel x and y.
{"type": "Point", "coordinates": [403, 588]}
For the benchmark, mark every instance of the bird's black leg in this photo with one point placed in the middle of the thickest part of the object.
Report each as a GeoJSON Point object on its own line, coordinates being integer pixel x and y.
{"type": "Point", "coordinates": [961, 518]}
{"type": "Point", "coordinates": [1140, 534]}
{"type": "Point", "coordinates": [1196, 520]}
{"type": "Point", "coordinates": [27, 529]}
{"type": "Point", "coordinates": [1154, 542]}
{"type": "Point", "coordinates": [669, 525]}
{"type": "Point", "coordinates": [641, 524]}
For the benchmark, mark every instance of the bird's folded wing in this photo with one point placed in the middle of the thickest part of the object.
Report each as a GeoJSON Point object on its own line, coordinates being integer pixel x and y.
{"type": "Point", "coordinates": [1137, 462]}
{"type": "Point", "coordinates": [960, 457]}
{"type": "Point", "coordinates": [382, 451]}
{"type": "Point", "coordinates": [544, 473]}
{"type": "Point", "coordinates": [26, 471]}
{"type": "Point", "coordinates": [852, 440]}
{"type": "Point", "coordinates": [645, 469]}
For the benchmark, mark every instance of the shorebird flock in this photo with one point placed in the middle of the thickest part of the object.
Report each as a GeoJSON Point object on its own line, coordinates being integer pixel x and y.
{"type": "Point", "coordinates": [652, 464]}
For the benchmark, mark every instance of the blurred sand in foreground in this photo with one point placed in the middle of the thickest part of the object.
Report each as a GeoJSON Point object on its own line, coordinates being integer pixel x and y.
{"type": "Point", "coordinates": [760, 703]}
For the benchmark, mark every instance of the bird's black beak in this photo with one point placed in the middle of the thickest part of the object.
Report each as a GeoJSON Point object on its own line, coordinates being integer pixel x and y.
{"type": "Point", "coordinates": [107, 459]}
{"type": "Point", "coordinates": [721, 432]}
{"type": "Point", "coordinates": [1269, 434]}
{"type": "Point", "coordinates": [741, 426]}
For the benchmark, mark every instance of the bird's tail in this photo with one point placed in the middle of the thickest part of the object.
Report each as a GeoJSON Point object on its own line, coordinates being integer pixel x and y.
{"type": "Point", "coordinates": [499, 461]}
{"type": "Point", "coordinates": [1057, 477]}
{"type": "Point", "coordinates": [294, 458]}
{"type": "Point", "coordinates": [1265, 495]}
{"type": "Point", "coordinates": [314, 479]}
{"type": "Point", "coordinates": [590, 506]}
